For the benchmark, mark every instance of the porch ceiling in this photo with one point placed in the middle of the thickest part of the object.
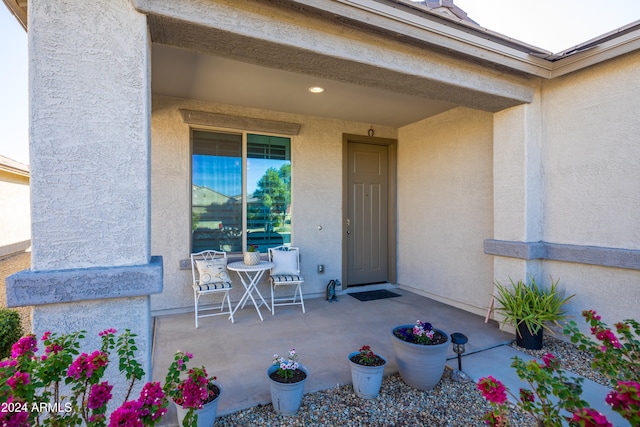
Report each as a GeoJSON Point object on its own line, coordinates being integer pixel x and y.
{"type": "Point", "coordinates": [184, 74]}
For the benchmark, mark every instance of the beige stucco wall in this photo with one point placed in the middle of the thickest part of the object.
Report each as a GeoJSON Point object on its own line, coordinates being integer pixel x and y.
{"type": "Point", "coordinates": [592, 179]}
{"type": "Point", "coordinates": [316, 194]}
{"type": "Point", "coordinates": [15, 212]}
{"type": "Point", "coordinates": [445, 207]}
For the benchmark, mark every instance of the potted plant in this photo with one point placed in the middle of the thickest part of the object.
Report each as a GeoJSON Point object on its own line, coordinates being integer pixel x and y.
{"type": "Point", "coordinates": [287, 378]}
{"type": "Point", "coordinates": [421, 353]}
{"type": "Point", "coordinates": [529, 308]}
{"type": "Point", "coordinates": [367, 369]}
{"type": "Point", "coordinates": [252, 255]}
{"type": "Point", "coordinates": [195, 397]}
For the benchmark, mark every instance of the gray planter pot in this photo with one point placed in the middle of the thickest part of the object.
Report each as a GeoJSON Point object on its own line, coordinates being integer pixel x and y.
{"type": "Point", "coordinates": [286, 397]}
{"type": "Point", "coordinates": [366, 379]}
{"type": "Point", "coordinates": [420, 366]}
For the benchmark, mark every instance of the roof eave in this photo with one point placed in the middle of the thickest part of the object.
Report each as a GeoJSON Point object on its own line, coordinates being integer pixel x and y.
{"type": "Point", "coordinates": [19, 9]}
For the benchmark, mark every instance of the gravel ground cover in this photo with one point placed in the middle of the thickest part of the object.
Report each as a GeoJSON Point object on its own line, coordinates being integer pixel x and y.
{"type": "Point", "coordinates": [572, 359]}
{"type": "Point", "coordinates": [449, 404]}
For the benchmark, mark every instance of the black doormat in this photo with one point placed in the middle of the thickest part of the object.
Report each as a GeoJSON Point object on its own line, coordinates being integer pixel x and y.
{"type": "Point", "coordinates": [374, 295]}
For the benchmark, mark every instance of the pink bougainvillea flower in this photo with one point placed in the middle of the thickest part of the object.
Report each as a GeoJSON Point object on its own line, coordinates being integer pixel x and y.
{"type": "Point", "coordinates": [591, 315]}
{"type": "Point", "coordinates": [25, 346]}
{"type": "Point", "coordinates": [492, 390]}
{"type": "Point", "coordinates": [18, 379]}
{"type": "Point", "coordinates": [550, 361]}
{"type": "Point", "coordinates": [99, 395]}
{"type": "Point", "coordinates": [526, 395]}
{"type": "Point", "coordinates": [588, 417]}
{"type": "Point", "coordinates": [607, 336]}
{"type": "Point", "coordinates": [85, 365]}
{"type": "Point", "coordinates": [128, 415]}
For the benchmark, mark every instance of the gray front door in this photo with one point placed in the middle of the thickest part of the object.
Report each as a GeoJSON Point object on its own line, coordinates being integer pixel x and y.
{"type": "Point", "coordinates": [367, 222]}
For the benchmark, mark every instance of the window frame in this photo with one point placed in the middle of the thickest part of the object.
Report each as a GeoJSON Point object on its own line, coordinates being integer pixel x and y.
{"type": "Point", "coordinates": [244, 162]}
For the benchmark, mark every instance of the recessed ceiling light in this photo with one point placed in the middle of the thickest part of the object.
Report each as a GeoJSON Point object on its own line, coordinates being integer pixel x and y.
{"type": "Point", "coordinates": [316, 89]}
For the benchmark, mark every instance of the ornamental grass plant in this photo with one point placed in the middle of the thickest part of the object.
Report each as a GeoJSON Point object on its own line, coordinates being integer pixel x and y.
{"type": "Point", "coordinates": [530, 304]}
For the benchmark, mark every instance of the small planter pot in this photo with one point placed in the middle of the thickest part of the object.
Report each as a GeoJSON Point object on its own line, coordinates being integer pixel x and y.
{"type": "Point", "coordinates": [206, 415]}
{"type": "Point", "coordinates": [252, 258]}
{"type": "Point", "coordinates": [366, 379]}
{"type": "Point", "coordinates": [286, 397]}
{"type": "Point", "coordinates": [420, 366]}
{"type": "Point", "coordinates": [529, 341]}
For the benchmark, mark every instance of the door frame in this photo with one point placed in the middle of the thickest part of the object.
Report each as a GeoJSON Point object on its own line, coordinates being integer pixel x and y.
{"type": "Point", "coordinates": [392, 214]}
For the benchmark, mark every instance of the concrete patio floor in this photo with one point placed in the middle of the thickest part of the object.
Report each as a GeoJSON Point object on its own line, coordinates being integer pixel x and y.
{"type": "Point", "coordinates": [239, 353]}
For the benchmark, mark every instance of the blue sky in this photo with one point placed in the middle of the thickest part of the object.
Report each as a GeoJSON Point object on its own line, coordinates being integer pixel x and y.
{"type": "Point", "coordinates": [556, 26]}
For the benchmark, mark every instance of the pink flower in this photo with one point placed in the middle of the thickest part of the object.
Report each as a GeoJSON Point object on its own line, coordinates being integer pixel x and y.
{"type": "Point", "coordinates": [127, 415]}
{"type": "Point", "coordinates": [550, 361]}
{"type": "Point", "coordinates": [621, 327]}
{"type": "Point", "coordinates": [18, 379]}
{"type": "Point", "coordinates": [14, 419]}
{"type": "Point", "coordinates": [8, 362]}
{"type": "Point", "coordinates": [590, 315]}
{"type": "Point", "coordinates": [25, 346]}
{"type": "Point", "coordinates": [85, 365]}
{"type": "Point", "coordinates": [151, 398]}
{"type": "Point", "coordinates": [53, 348]}
{"type": "Point", "coordinates": [492, 390]}
{"type": "Point", "coordinates": [109, 331]}
{"type": "Point", "coordinates": [99, 395]}
{"type": "Point", "coordinates": [588, 417]}
{"type": "Point", "coordinates": [526, 395]}
{"type": "Point", "coordinates": [45, 336]}
{"type": "Point", "coordinates": [606, 335]}
{"type": "Point", "coordinates": [625, 397]}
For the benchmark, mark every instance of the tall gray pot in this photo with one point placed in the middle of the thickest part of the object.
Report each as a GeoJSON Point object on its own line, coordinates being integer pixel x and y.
{"type": "Point", "coordinates": [286, 397]}
{"type": "Point", "coordinates": [421, 366]}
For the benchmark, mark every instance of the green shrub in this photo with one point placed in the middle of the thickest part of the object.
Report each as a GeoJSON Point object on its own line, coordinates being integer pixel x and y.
{"type": "Point", "coordinates": [10, 331]}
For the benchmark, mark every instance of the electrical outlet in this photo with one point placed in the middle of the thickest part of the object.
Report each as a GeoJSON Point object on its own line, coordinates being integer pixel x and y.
{"type": "Point", "coordinates": [320, 268]}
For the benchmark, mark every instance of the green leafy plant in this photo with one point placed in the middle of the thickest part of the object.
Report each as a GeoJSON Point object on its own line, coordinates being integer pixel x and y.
{"type": "Point", "coordinates": [62, 386]}
{"type": "Point", "coordinates": [10, 330]}
{"type": "Point", "coordinates": [252, 248]}
{"type": "Point", "coordinates": [554, 398]}
{"type": "Point", "coordinates": [367, 357]}
{"type": "Point", "coordinates": [615, 356]}
{"type": "Point", "coordinates": [287, 367]}
{"type": "Point", "coordinates": [533, 305]}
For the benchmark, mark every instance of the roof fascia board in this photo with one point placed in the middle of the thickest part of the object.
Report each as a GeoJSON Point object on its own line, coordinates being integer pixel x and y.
{"type": "Point", "coordinates": [19, 10]}
{"type": "Point", "coordinates": [433, 30]}
{"type": "Point", "coordinates": [599, 53]}
{"type": "Point", "coordinates": [14, 170]}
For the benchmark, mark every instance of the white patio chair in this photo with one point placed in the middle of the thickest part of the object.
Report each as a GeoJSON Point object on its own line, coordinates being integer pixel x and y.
{"type": "Point", "coordinates": [210, 277]}
{"type": "Point", "coordinates": [285, 272]}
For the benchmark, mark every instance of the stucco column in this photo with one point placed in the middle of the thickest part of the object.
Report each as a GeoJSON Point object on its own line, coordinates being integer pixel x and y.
{"type": "Point", "coordinates": [89, 72]}
{"type": "Point", "coordinates": [518, 192]}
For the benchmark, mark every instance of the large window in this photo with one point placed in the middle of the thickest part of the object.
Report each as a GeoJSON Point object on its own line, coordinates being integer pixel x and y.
{"type": "Point", "coordinates": [241, 191]}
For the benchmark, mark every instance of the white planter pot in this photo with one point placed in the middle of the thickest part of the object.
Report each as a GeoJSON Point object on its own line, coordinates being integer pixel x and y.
{"type": "Point", "coordinates": [366, 379]}
{"type": "Point", "coordinates": [286, 397]}
{"type": "Point", "coordinates": [206, 415]}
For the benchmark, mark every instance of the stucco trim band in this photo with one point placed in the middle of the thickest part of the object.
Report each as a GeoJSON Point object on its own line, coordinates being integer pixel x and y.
{"type": "Point", "coordinates": [61, 286]}
{"type": "Point", "coordinates": [592, 255]}
{"type": "Point", "coordinates": [204, 118]}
